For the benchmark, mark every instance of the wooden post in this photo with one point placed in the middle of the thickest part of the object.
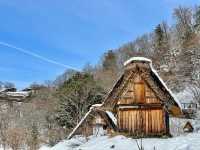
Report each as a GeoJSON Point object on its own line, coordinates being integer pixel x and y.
{"type": "Point", "coordinates": [167, 123]}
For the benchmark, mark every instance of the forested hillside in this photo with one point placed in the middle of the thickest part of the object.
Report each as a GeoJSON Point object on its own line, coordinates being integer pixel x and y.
{"type": "Point", "coordinates": [57, 106]}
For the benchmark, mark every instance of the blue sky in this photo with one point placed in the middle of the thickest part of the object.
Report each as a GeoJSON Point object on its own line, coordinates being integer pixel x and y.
{"type": "Point", "coordinates": [70, 33]}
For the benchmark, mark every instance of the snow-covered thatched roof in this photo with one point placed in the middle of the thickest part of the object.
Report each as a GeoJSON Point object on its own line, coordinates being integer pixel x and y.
{"type": "Point", "coordinates": [153, 77]}
{"type": "Point", "coordinates": [18, 94]}
{"type": "Point", "coordinates": [143, 59]}
{"type": "Point", "coordinates": [165, 86]}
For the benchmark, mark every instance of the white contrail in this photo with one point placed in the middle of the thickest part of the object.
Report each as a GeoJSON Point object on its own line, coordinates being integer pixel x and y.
{"type": "Point", "coordinates": [27, 52]}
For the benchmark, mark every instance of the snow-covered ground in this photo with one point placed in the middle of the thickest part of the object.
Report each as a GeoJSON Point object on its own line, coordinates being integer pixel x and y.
{"type": "Point", "coordinates": [185, 96]}
{"type": "Point", "coordinates": [183, 142]}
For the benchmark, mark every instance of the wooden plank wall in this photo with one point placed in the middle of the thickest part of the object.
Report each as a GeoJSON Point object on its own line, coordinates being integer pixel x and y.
{"type": "Point", "coordinates": [141, 121]}
{"type": "Point", "coordinates": [146, 120]}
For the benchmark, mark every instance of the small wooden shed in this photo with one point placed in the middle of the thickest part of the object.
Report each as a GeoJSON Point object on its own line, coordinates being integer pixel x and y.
{"type": "Point", "coordinates": [141, 101]}
{"type": "Point", "coordinates": [95, 122]}
{"type": "Point", "coordinates": [188, 127]}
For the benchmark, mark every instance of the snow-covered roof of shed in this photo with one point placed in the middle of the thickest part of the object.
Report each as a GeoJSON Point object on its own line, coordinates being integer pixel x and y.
{"type": "Point", "coordinates": [109, 114]}
{"type": "Point", "coordinates": [112, 117]}
{"type": "Point", "coordinates": [142, 59]}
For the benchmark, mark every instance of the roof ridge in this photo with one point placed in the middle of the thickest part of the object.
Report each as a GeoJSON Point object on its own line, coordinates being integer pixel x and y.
{"type": "Point", "coordinates": [141, 59]}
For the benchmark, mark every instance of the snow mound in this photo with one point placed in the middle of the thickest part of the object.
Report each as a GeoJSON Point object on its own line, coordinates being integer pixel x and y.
{"type": "Point", "coordinates": [66, 144]}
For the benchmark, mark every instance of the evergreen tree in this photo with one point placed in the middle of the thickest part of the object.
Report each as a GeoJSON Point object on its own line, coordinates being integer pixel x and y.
{"type": "Point", "coordinates": [109, 60]}
{"type": "Point", "coordinates": [108, 70]}
{"type": "Point", "coordinates": [76, 96]}
{"type": "Point", "coordinates": [159, 37]}
{"type": "Point", "coordinates": [161, 46]}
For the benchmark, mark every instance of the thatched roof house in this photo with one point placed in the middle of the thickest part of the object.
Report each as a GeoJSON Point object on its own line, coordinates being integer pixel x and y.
{"type": "Point", "coordinates": [140, 101]}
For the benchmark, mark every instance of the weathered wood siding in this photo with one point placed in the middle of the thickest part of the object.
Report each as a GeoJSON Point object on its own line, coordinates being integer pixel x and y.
{"type": "Point", "coordinates": [140, 112]}
{"type": "Point", "coordinates": [136, 92]}
{"type": "Point", "coordinates": [142, 121]}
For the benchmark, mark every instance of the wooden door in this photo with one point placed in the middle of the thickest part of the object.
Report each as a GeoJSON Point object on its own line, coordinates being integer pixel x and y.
{"type": "Point", "coordinates": [139, 93]}
{"type": "Point", "coordinates": [141, 121]}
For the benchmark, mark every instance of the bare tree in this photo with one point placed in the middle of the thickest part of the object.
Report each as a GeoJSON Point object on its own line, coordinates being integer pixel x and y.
{"type": "Point", "coordinates": [4, 125]}
{"type": "Point", "coordinates": [183, 16]}
{"type": "Point", "coordinates": [196, 91]}
{"type": "Point", "coordinates": [16, 138]}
